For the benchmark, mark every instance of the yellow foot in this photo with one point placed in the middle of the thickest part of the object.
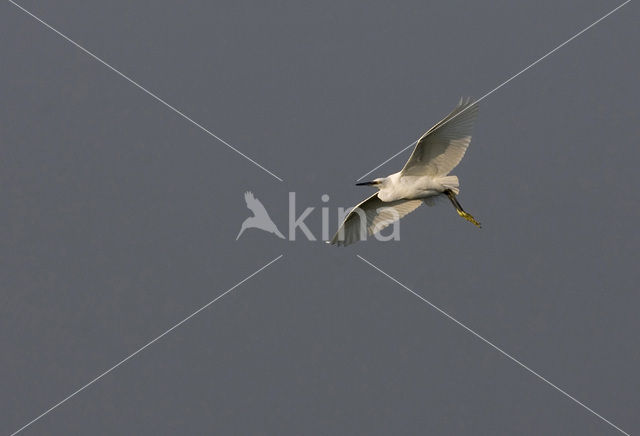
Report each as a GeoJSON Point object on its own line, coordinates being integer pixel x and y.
{"type": "Point", "coordinates": [469, 218]}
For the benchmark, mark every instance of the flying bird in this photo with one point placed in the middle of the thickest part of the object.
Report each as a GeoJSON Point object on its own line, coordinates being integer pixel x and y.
{"type": "Point", "coordinates": [424, 178]}
{"type": "Point", "coordinates": [260, 219]}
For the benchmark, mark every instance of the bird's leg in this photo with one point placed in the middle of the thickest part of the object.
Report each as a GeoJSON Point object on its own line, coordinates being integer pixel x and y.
{"type": "Point", "coordinates": [459, 208]}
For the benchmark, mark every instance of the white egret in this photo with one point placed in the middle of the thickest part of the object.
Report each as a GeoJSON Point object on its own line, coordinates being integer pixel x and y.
{"type": "Point", "coordinates": [423, 179]}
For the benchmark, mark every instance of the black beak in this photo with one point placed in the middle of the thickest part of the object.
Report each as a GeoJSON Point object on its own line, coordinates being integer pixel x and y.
{"type": "Point", "coordinates": [365, 183]}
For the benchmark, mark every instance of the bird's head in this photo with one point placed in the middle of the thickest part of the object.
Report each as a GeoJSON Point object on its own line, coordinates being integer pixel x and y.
{"type": "Point", "coordinates": [375, 182]}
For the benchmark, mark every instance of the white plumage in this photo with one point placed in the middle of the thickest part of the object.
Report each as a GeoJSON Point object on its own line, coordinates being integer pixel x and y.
{"type": "Point", "coordinates": [441, 149]}
{"type": "Point", "coordinates": [424, 177]}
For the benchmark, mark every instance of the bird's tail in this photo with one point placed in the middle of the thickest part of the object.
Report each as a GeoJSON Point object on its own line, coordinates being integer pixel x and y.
{"type": "Point", "coordinates": [277, 233]}
{"type": "Point", "coordinates": [450, 182]}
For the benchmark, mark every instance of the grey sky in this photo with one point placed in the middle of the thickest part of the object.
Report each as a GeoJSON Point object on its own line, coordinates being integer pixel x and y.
{"type": "Point", "coordinates": [119, 219]}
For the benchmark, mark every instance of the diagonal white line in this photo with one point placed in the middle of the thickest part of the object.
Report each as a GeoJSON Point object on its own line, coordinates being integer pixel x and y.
{"type": "Point", "coordinates": [200, 126]}
{"type": "Point", "coordinates": [507, 81]}
{"type": "Point", "coordinates": [68, 397]}
{"type": "Point", "coordinates": [495, 346]}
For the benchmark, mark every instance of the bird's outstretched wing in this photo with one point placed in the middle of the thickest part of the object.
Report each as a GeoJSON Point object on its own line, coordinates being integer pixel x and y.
{"type": "Point", "coordinates": [440, 150]}
{"type": "Point", "coordinates": [378, 215]}
{"type": "Point", "coordinates": [254, 205]}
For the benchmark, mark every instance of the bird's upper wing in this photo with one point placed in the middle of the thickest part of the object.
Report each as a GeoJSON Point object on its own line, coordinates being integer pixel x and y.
{"type": "Point", "coordinates": [439, 150]}
{"type": "Point", "coordinates": [254, 205]}
{"type": "Point", "coordinates": [378, 215]}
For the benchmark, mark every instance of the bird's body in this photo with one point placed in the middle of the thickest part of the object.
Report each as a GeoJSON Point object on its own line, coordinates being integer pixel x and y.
{"type": "Point", "coordinates": [424, 177]}
{"type": "Point", "coordinates": [399, 187]}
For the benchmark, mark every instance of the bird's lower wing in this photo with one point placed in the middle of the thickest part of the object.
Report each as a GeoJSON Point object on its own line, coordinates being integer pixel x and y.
{"type": "Point", "coordinates": [371, 216]}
